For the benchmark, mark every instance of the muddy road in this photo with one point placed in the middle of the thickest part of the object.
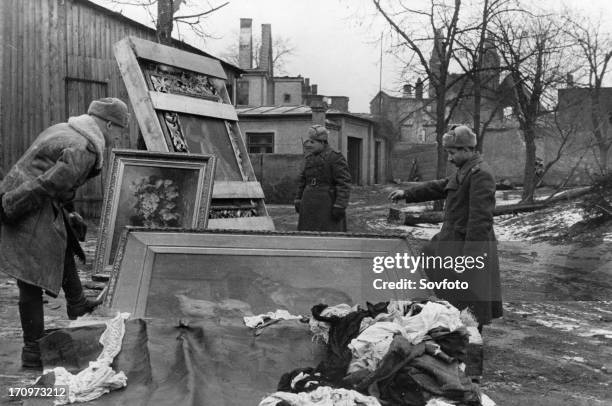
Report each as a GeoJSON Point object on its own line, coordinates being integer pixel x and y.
{"type": "Point", "coordinates": [552, 347]}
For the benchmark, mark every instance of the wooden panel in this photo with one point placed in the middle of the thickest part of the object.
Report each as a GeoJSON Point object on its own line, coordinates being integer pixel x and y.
{"type": "Point", "coordinates": [175, 57]}
{"type": "Point", "coordinates": [139, 97]}
{"type": "Point", "coordinates": [242, 223]}
{"type": "Point", "coordinates": [233, 190]}
{"type": "Point", "coordinates": [191, 105]}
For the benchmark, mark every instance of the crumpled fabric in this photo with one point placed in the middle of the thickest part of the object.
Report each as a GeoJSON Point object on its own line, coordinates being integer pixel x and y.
{"type": "Point", "coordinates": [256, 321]}
{"type": "Point", "coordinates": [302, 380]}
{"type": "Point", "coordinates": [342, 331]}
{"type": "Point", "coordinates": [373, 343]}
{"type": "Point", "coordinates": [410, 374]}
{"type": "Point", "coordinates": [322, 396]}
{"type": "Point", "coordinates": [320, 329]}
{"type": "Point", "coordinates": [98, 378]}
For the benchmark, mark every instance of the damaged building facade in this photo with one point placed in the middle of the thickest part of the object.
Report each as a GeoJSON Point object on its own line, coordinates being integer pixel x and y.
{"type": "Point", "coordinates": [276, 111]}
{"type": "Point", "coordinates": [410, 117]}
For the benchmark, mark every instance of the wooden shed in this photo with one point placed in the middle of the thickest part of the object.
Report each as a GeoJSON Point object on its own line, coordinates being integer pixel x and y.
{"type": "Point", "coordinates": [55, 57]}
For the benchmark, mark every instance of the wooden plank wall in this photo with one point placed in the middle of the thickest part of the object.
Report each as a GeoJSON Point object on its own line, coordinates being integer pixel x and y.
{"type": "Point", "coordinates": [50, 48]}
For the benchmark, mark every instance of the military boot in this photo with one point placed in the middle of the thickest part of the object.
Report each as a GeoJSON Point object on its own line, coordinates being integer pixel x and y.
{"type": "Point", "coordinates": [77, 308]}
{"type": "Point", "coordinates": [33, 326]}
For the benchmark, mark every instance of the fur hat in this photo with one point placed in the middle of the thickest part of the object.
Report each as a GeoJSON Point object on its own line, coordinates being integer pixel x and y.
{"type": "Point", "coordinates": [318, 132]}
{"type": "Point", "coordinates": [110, 109]}
{"type": "Point", "coordinates": [459, 136]}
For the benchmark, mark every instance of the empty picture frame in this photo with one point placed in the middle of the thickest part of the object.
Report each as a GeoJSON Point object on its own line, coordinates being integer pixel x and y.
{"type": "Point", "coordinates": [153, 190]}
{"type": "Point", "coordinates": [186, 273]}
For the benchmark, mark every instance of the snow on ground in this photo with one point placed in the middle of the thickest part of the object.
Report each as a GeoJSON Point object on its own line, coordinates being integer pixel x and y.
{"type": "Point", "coordinates": [542, 224]}
{"type": "Point", "coordinates": [546, 223]}
{"type": "Point", "coordinates": [579, 318]}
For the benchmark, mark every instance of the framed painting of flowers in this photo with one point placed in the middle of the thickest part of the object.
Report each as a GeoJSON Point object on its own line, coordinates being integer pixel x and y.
{"type": "Point", "coordinates": [153, 190]}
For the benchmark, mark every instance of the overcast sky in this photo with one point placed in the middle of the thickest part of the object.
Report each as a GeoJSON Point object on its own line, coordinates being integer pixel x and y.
{"type": "Point", "coordinates": [336, 45]}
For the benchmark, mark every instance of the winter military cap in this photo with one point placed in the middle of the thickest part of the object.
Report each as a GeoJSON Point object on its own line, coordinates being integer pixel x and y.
{"type": "Point", "coordinates": [318, 132]}
{"type": "Point", "coordinates": [110, 109]}
{"type": "Point", "coordinates": [459, 136]}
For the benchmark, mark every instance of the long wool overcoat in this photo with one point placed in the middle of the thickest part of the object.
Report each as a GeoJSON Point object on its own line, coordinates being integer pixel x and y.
{"type": "Point", "coordinates": [324, 183]}
{"type": "Point", "coordinates": [467, 231]}
{"type": "Point", "coordinates": [35, 191]}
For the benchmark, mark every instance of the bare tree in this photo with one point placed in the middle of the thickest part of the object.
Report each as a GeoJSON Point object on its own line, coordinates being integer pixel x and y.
{"type": "Point", "coordinates": [171, 12]}
{"type": "Point", "coordinates": [477, 55]}
{"type": "Point", "coordinates": [537, 55]}
{"type": "Point", "coordinates": [415, 30]}
{"type": "Point", "coordinates": [594, 47]}
{"type": "Point", "coordinates": [282, 51]}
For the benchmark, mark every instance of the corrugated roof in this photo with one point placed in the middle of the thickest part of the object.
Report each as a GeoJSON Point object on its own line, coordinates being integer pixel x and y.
{"type": "Point", "coordinates": [288, 111]}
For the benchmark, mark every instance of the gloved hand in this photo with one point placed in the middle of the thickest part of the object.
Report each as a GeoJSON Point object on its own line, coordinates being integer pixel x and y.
{"type": "Point", "coordinates": [338, 213]}
{"type": "Point", "coordinates": [3, 218]}
{"type": "Point", "coordinates": [297, 204]}
{"type": "Point", "coordinates": [78, 225]}
{"type": "Point", "coordinates": [397, 195]}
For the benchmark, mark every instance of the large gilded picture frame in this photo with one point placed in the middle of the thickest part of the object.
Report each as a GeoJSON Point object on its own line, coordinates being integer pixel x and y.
{"type": "Point", "coordinates": [182, 273]}
{"type": "Point", "coordinates": [152, 190]}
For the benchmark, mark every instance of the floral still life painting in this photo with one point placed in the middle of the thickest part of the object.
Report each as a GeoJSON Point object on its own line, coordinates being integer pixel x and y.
{"type": "Point", "coordinates": [161, 190]}
{"type": "Point", "coordinates": [156, 202]}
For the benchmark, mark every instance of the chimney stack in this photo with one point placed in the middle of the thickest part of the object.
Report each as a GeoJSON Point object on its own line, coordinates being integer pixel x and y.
{"type": "Point", "coordinates": [407, 90]}
{"type": "Point", "coordinates": [418, 89]}
{"type": "Point", "coordinates": [245, 44]}
{"type": "Point", "coordinates": [265, 53]}
{"type": "Point", "coordinates": [340, 103]}
{"type": "Point", "coordinates": [318, 107]}
{"type": "Point", "coordinates": [314, 89]}
{"type": "Point", "coordinates": [570, 80]}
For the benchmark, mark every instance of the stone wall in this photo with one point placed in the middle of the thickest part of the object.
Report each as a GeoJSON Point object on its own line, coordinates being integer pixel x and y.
{"type": "Point", "coordinates": [278, 175]}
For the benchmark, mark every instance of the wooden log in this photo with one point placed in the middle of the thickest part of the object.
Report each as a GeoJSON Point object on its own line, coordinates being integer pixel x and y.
{"type": "Point", "coordinates": [409, 218]}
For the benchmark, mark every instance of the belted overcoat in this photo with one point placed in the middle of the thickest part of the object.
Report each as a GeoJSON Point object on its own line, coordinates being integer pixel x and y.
{"type": "Point", "coordinates": [324, 183]}
{"type": "Point", "coordinates": [467, 231]}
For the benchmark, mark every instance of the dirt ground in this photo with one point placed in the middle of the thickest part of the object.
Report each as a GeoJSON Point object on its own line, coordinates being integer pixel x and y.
{"type": "Point", "coordinates": [552, 347]}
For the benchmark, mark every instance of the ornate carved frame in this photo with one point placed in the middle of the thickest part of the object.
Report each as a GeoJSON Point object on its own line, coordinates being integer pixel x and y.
{"type": "Point", "coordinates": [204, 165]}
{"type": "Point", "coordinates": [165, 85]}
{"type": "Point", "coordinates": [133, 271]}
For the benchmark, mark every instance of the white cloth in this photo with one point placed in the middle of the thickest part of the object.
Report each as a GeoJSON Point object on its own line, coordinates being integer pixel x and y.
{"type": "Point", "coordinates": [320, 329]}
{"type": "Point", "coordinates": [98, 378]}
{"type": "Point", "coordinates": [255, 321]}
{"type": "Point", "coordinates": [322, 396]}
{"type": "Point", "coordinates": [373, 343]}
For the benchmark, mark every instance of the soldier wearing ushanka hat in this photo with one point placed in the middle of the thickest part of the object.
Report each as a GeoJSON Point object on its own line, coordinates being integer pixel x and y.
{"type": "Point", "coordinates": [39, 229]}
{"type": "Point", "coordinates": [468, 225]}
{"type": "Point", "coordinates": [324, 185]}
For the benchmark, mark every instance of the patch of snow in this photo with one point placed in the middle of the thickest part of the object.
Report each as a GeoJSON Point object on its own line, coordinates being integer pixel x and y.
{"type": "Point", "coordinates": [576, 359]}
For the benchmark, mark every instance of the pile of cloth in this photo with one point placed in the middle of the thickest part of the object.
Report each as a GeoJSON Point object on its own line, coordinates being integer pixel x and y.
{"type": "Point", "coordinates": [391, 353]}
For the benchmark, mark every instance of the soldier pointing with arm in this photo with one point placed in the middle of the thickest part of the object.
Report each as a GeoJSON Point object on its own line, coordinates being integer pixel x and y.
{"type": "Point", "coordinates": [468, 225]}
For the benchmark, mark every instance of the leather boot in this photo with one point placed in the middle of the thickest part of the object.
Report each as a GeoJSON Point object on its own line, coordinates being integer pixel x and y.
{"type": "Point", "coordinates": [76, 302]}
{"type": "Point", "coordinates": [33, 326]}
{"type": "Point", "coordinates": [81, 306]}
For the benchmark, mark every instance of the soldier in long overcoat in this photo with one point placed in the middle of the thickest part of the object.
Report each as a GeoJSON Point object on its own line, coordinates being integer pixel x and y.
{"type": "Point", "coordinates": [324, 185]}
{"type": "Point", "coordinates": [467, 230]}
{"type": "Point", "coordinates": [37, 230]}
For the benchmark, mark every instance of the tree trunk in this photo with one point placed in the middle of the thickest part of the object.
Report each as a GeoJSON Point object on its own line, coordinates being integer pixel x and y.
{"type": "Point", "coordinates": [165, 11]}
{"type": "Point", "coordinates": [603, 157]}
{"type": "Point", "coordinates": [440, 129]}
{"type": "Point", "coordinates": [529, 178]}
